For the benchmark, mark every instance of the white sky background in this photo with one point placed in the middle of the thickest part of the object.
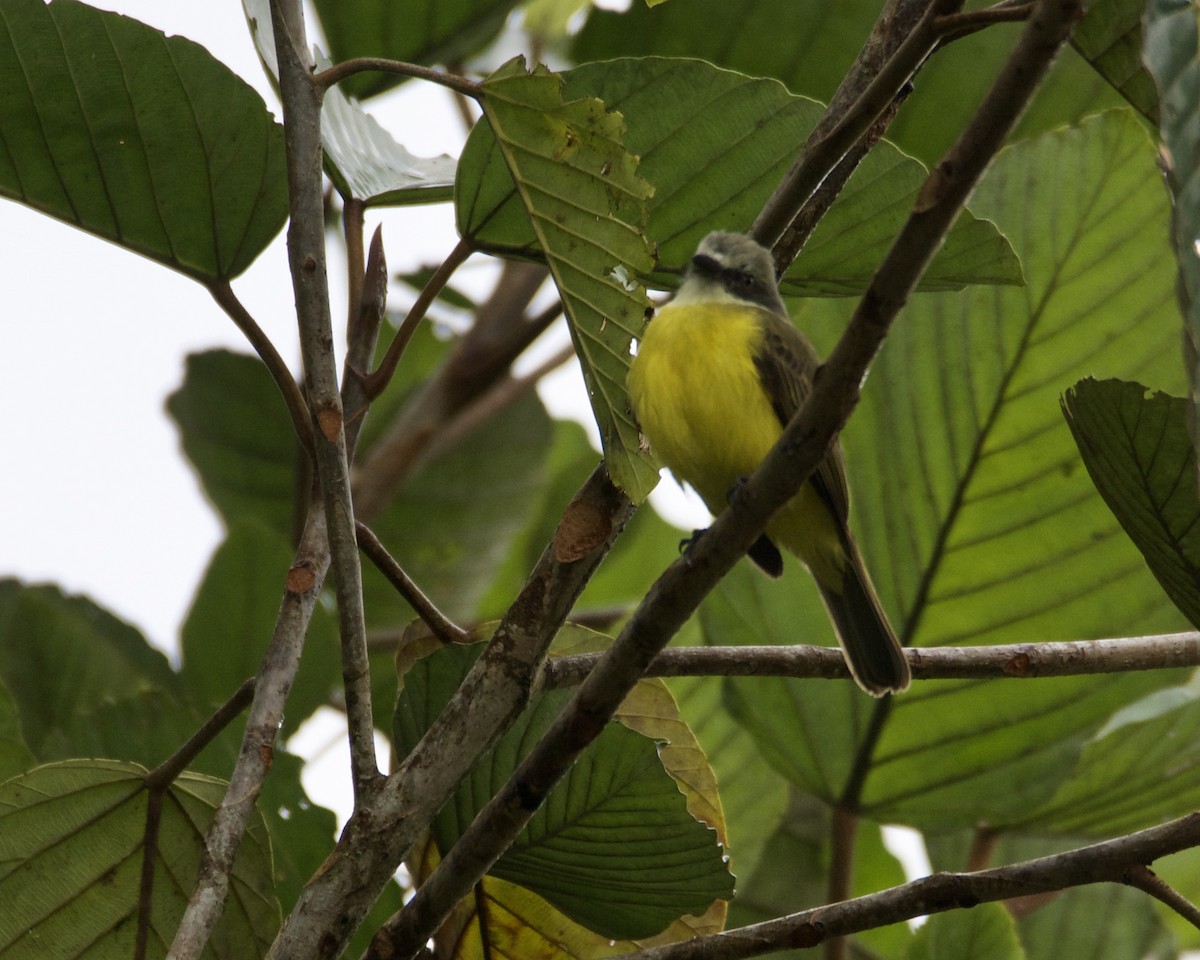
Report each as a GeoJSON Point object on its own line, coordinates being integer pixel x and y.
{"type": "Point", "coordinates": [95, 494]}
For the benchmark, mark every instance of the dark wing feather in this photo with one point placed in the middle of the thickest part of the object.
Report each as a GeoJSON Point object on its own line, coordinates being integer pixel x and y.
{"type": "Point", "coordinates": [786, 363]}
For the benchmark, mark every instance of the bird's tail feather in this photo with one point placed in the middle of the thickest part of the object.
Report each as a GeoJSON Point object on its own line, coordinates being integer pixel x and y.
{"type": "Point", "coordinates": [872, 651]}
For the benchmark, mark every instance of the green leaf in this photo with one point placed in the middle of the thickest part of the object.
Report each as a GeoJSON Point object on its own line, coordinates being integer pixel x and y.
{"type": "Point", "coordinates": [1110, 38]}
{"type": "Point", "coordinates": [72, 836]}
{"type": "Point", "coordinates": [985, 932]}
{"type": "Point", "coordinates": [365, 162]}
{"type": "Point", "coordinates": [809, 45]}
{"type": "Point", "coordinates": [456, 519]}
{"type": "Point", "coordinates": [1140, 456]}
{"type": "Point", "coordinates": [63, 655]}
{"type": "Point", "coordinates": [237, 433]}
{"type": "Point", "coordinates": [1172, 54]}
{"type": "Point", "coordinates": [753, 797]}
{"type": "Point", "coordinates": [1142, 768]}
{"type": "Point", "coordinates": [973, 512]}
{"type": "Point", "coordinates": [15, 756]}
{"type": "Point", "coordinates": [1098, 922]}
{"type": "Point", "coordinates": [139, 138]}
{"type": "Point", "coordinates": [731, 138]}
{"type": "Point", "coordinates": [613, 846]}
{"type": "Point", "coordinates": [586, 204]}
{"type": "Point", "coordinates": [232, 620]}
{"type": "Point", "coordinates": [361, 157]}
{"type": "Point", "coordinates": [418, 31]}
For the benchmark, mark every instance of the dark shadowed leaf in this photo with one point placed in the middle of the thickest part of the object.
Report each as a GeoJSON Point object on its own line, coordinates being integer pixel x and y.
{"type": "Point", "coordinates": [985, 932]}
{"type": "Point", "coordinates": [62, 655]}
{"type": "Point", "coordinates": [1138, 451]}
{"type": "Point", "coordinates": [137, 137]}
{"type": "Point", "coordinates": [1172, 54]}
{"type": "Point", "coordinates": [1110, 38]}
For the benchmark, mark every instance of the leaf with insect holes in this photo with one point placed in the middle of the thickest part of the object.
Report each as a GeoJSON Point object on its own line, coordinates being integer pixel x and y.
{"type": "Point", "coordinates": [587, 207]}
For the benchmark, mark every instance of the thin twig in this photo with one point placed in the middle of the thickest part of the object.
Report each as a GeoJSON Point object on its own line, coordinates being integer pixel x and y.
{"type": "Point", "coordinates": [348, 68]}
{"type": "Point", "coordinates": [484, 354]}
{"type": "Point", "coordinates": [293, 396]}
{"type": "Point", "coordinates": [956, 25]}
{"type": "Point", "coordinates": [843, 833]}
{"type": "Point", "coordinates": [439, 624]}
{"type": "Point", "coordinates": [352, 230]}
{"type": "Point", "coordinates": [1146, 880]}
{"type": "Point", "coordinates": [273, 681]}
{"type": "Point", "coordinates": [166, 772]}
{"type": "Point", "coordinates": [377, 380]}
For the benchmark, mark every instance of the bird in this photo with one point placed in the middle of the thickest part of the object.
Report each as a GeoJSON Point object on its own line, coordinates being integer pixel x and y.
{"type": "Point", "coordinates": [718, 373]}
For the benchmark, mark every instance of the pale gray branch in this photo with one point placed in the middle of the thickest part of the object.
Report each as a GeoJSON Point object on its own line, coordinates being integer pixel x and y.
{"type": "Point", "coordinates": [1050, 659]}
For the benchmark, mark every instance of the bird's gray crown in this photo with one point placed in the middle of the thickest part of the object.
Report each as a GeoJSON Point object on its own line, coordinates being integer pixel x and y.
{"type": "Point", "coordinates": [741, 268]}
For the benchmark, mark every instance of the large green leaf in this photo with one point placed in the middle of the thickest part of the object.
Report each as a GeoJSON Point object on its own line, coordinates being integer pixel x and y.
{"type": "Point", "coordinates": [236, 432]}
{"type": "Point", "coordinates": [72, 836]}
{"type": "Point", "coordinates": [1172, 54]}
{"type": "Point", "coordinates": [1110, 38]}
{"type": "Point", "coordinates": [729, 140]}
{"type": "Point", "coordinates": [974, 514]}
{"type": "Point", "coordinates": [420, 31]}
{"type": "Point", "coordinates": [137, 137]}
{"type": "Point", "coordinates": [614, 846]}
{"type": "Point", "coordinates": [809, 44]}
{"type": "Point", "coordinates": [1142, 768]}
{"type": "Point", "coordinates": [586, 204]}
{"type": "Point", "coordinates": [61, 656]}
{"type": "Point", "coordinates": [1098, 922]}
{"type": "Point", "coordinates": [1140, 456]}
{"type": "Point", "coordinates": [986, 932]}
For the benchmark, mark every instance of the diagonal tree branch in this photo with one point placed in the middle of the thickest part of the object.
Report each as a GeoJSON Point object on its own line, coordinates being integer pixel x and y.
{"type": "Point", "coordinates": [1112, 861]}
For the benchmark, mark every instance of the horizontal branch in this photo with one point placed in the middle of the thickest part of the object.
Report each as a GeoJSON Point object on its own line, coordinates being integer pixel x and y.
{"type": "Point", "coordinates": [1113, 861]}
{"type": "Point", "coordinates": [1024, 660]}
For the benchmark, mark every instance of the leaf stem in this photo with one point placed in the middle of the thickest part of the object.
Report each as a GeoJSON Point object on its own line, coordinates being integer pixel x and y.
{"type": "Point", "coordinates": [293, 396]}
{"type": "Point", "coordinates": [348, 68]}
{"type": "Point", "coordinates": [377, 380]}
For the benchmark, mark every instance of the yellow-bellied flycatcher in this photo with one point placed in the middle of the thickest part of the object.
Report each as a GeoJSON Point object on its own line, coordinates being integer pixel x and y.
{"type": "Point", "coordinates": [718, 374]}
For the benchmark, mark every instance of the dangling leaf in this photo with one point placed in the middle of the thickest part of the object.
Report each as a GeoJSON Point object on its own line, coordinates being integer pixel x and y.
{"type": "Point", "coordinates": [586, 204]}
{"type": "Point", "coordinates": [1140, 456]}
